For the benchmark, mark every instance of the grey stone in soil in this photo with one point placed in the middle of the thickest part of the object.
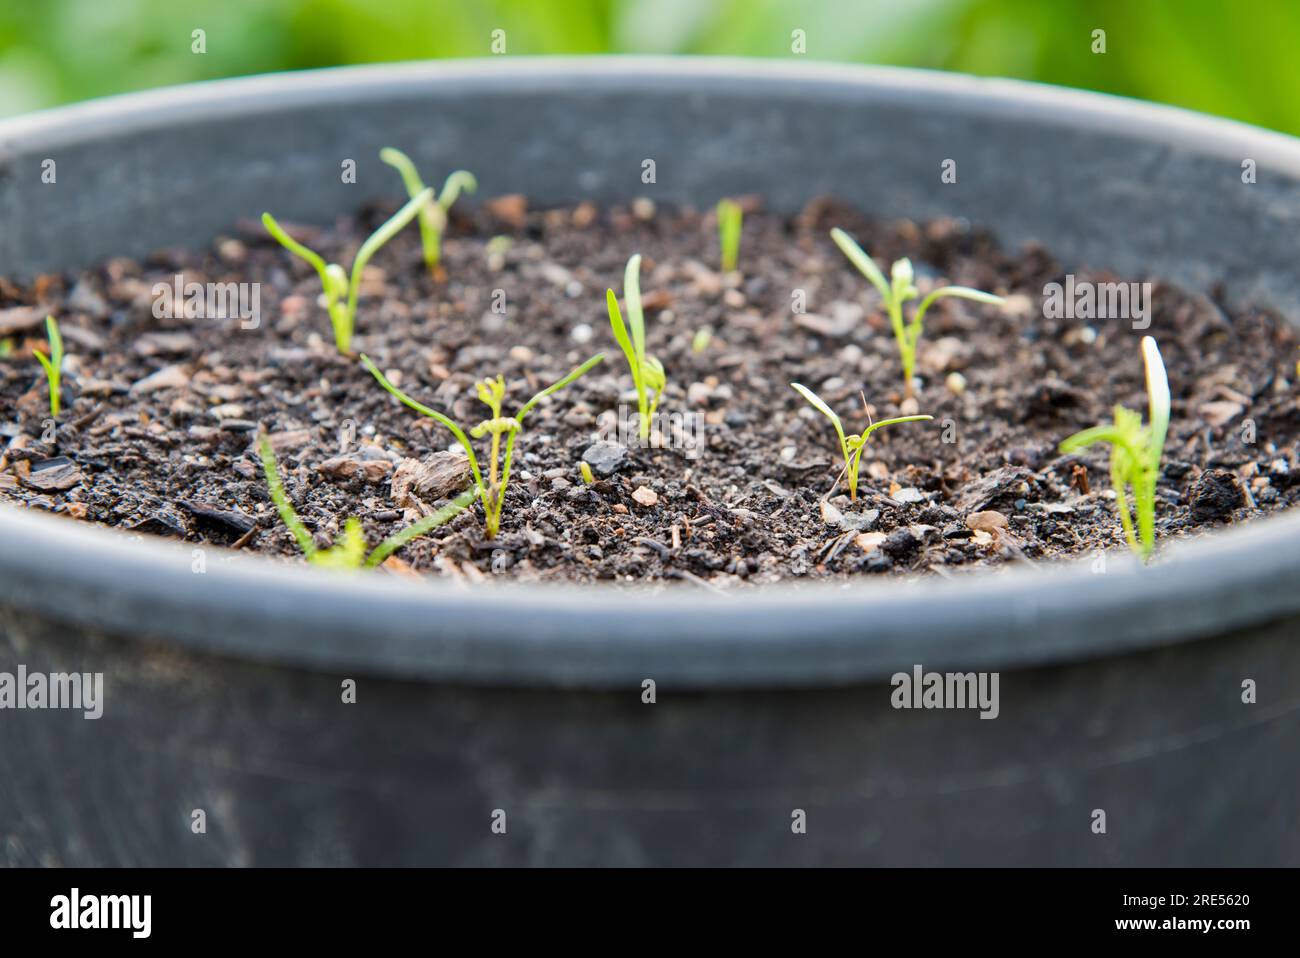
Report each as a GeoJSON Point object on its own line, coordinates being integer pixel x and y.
{"type": "Point", "coordinates": [859, 521]}
{"type": "Point", "coordinates": [605, 458]}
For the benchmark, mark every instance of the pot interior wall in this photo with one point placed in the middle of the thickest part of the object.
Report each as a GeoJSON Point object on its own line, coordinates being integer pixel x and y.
{"type": "Point", "coordinates": [1143, 190]}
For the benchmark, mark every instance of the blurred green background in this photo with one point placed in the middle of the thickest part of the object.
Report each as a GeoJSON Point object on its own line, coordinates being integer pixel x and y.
{"type": "Point", "coordinates": [1227, 58]}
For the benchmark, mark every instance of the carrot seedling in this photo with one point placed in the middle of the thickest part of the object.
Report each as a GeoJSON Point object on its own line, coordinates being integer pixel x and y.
{"type": "Point", "coordinates": [433, 216]}
{"type": "Point", "coordinates": [349, 551]}
{"type": "Point", "coordinates": [491, 392]}
{"type": "Point", "coordinates": [1135, 452]}
{"type": "Point", "coordinates": [899, 289]}
{"type": "Point", "coordinates": [730, 218]}
{"type": "Point", "coordinates": [340, 290]}
{"type": "Point", "coordinates": [851, 446]}
{"type": "Point", "coordinates": [647, 371]}
{"type": "Point", "coordinates": [53, 363]}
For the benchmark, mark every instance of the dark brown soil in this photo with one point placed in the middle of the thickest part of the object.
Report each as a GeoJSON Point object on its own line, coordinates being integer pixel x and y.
{"type": "Point", "coordinates": [178, 460]}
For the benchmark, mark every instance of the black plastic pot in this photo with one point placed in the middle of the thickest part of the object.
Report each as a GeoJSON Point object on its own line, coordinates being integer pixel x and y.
{"type": "Point", "coordinates": [1120, 692]}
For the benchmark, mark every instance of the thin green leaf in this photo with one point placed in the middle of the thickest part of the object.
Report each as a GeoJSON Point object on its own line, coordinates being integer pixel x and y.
{"type": "Point", "coordinates": [1088, 437]}
{"type": "Point", "coordinates": [826, 411]}
{"type": "Point", "coordinates": [282, 504]}
{"type": "Point", "coordinates": [345, 554]}
{"type": "Point", "coordinates": [622, 338]}
{"type": "Point", "coordinates": [425, 525]}
{"type": "Point", "coordinates": [426, 411]}
{"type": "Point", "coordinates": [293, 246]}
{"type": "Point", "coordinates": [1158, 398]}
{"type": "Point", "coordinates": [632, 295]}
{"type": "Point", "coordinates": [56, 342]}
{"type": "Point", "coordinates": [957, 292]}
{"type": "Point", "coordinates": [730, 220]}
{"type": "Point", "coordinates": [559, 384]}
{"type": "Point", "coordinates": [889, 422]}
{"type": "Point", "coordinates": [377, 239]}
{"type": "Point", "coordinates": [404, 166]}
{"type": "Point", "coordinates": [457, 182]}
{"type": "Point", "coordinates": [865, 264]}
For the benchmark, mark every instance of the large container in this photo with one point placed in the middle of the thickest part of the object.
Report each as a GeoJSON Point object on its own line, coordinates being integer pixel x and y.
{"type": "Point", "coordinates": [1120, 692]}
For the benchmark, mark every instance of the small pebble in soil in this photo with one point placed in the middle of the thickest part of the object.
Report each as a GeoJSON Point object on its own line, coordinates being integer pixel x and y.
{"type": "Point", "coordinates": [646, 496]}
{"type": "Point", "coordinates": [605, 458]}
{"type": "Point", "coordinates": [900, 543]}
{"type": "Point", "coordinates": [1214, 496]}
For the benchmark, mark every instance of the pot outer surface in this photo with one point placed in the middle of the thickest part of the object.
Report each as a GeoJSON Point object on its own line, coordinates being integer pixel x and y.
{"type": "Point", "coordinates": [286, 773]}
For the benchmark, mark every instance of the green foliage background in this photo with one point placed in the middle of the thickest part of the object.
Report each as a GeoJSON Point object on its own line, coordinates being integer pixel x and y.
{"type": "Point", "coordinates": [1228, 58]}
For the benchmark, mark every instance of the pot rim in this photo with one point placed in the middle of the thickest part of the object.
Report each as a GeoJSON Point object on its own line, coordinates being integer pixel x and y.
{"type": "Point", "coordinates": [596, 635]}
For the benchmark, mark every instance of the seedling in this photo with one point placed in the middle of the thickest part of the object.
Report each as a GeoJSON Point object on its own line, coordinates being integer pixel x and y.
{"type": "Point", "coordinates": [899, 289]}
{"type": "Point", "coordinates": [587, 475]}
{"type": "Point", "coordinates": [340, 291]}
{"type": "Point", "coordinates": [53, 363]}
{"type": "Point", "coordinates": [491, 392]}
{"type": "Point", "coordinates": [700, 342]}
{"type": "Point", "coordinates": [730, 218]}
{"type": "Point", "coordinates": [1135, 453]}
{"type": "Point", "coordinates": [851, 446]}
{"type": "Point", "coordinates": [647, 372]}
{"type": "Point", "coordinates": [433, 216]}
{"type": "Point", "coordinates": [349, 551]}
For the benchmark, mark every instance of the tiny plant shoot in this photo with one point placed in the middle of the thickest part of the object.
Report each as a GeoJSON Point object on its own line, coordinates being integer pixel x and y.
{"type": "Point", "coordinates": [730, 217]}
{"type": "Point", "coordinates": [899, 289]}
{"type": "Point", "coordinates": [1135, 453]}
{"type": "Point", "coordinates": [340, 291]}
{"type": "Point", "coordinates": [433, 216]}
{"type": "Point", "coordinates": [491, 392]}
{"type": "Point", "coordinates": [53, 363]}
{"type": "Point", "coordinates": [700, 342]}
{"type": "Point", "coordinates": [647, 372]}
{"type": "Point", "coordinates": [349, 552]}
{"type": "Point", "coordinates": [850, 446]}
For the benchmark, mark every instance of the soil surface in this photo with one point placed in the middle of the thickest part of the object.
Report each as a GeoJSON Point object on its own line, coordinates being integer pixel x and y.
{"type": "Point", "coordinates": [160, 415]}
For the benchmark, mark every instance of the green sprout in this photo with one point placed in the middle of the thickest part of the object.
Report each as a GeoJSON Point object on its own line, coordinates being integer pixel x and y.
{"type": "Point", "coordinates": [1135, 453]}
{"type": "Point", "coordinates": [349, 551]}
{"type": "Point", "coordinates": [433, 217]}
{"type": "Point", "coordinates": [340, 291]}
{"type": "Point", "coordinates": [899, 289]}
{"type": "Point", "coordinates": [647, 372]}
{"type": "Point", "coordinates": [585, 469]}
{"type": "Point", "coordinates": [53, 363]}
{"type": "Point", "coordinates": [730, 217]}
{"type": "Point", "coordinates": [850, 446]}
{"type": "Point", "coordinates": [491, 392]}
{"type": "Point", "coordinates": [700, 342]}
